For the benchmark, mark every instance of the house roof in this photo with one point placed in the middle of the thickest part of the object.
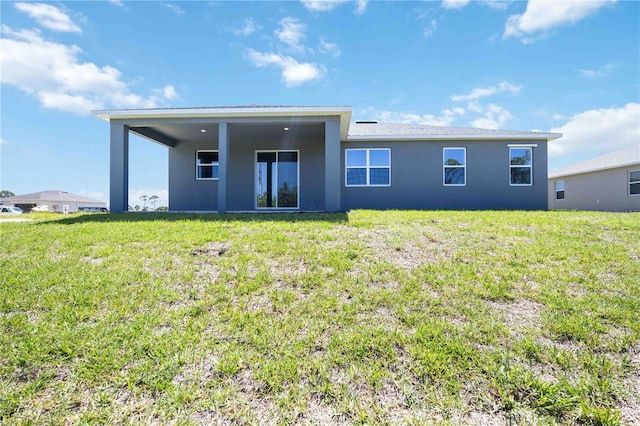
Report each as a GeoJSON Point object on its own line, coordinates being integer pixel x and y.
{"type": "Point", "coordinates": [625, 157]}
{"type": "Point", "coordinates": [56, 196]}
{"type": "Point", "coordinates": [348, 131]}
{"type": "Point", "coordinates": [373, 130]}
{"type": "Point", "coordinates": [231, 112]}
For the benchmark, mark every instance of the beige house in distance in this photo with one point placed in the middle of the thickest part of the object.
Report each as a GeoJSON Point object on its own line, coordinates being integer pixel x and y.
{"type": "Point", "coordinates": [610, 182]}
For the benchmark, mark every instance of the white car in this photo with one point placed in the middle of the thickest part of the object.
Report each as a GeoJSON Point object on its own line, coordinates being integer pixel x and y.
{"type": "Point", "coordinates": [40, 209]}
{"type": "Point", "coordinates": [10, 210]}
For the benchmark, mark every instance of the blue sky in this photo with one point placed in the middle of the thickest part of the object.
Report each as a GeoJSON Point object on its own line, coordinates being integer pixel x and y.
{"type": "Point", "coordinates": [563, 66]}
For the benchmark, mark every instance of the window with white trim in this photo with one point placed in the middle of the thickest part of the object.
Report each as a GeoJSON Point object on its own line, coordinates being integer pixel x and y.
{"type": "Point", "coordinates": [454, 163]}
{"type": "Point", "coordinates": [559, 190]}
{"type": "Point", "coordinates": [368, 167]}
{"type": "Point", "coordinates": [207, 165]}
{"type": "Point", "coordinates": [521, 166]}
{"type": "Point", "coordinates": [634, 182]}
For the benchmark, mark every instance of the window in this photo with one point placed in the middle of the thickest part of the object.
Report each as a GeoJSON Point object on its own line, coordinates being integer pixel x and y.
{"type": "Point", "coordinates": [368, 167]}
{"type": "Point", "coordinates": [559, 190]}
{"type": "Point", "coordinates": [207, 165]}
{"type": "Point", "coordinates": [277, 177]}
{"type": "Point", "coordinates": [520, 166]}
{"type": "Point", "coordinates": [454, 166]}
{"type": "Point", "coordinates": [634, 182]}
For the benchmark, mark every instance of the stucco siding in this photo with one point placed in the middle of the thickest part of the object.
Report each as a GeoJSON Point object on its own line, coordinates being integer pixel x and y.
{"type": "Point", "coordinates": [242, 165]}
{"type": "Point", "coordinates": [186, 193]}
{"type": "Point", "coordinates": [417, 178]}
{"type": "Point", "coordinates": [606, 190]}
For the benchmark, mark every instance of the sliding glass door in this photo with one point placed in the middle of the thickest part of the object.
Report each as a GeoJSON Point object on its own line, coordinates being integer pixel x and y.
{"type": "Point", "coordinates": [277, 177]}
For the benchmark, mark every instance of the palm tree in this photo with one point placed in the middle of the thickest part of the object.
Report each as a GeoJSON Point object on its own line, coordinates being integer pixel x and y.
{"type": "Point", "coordinates": [144, 199]}
{"type": "Point", "coordinates": [154, 199]}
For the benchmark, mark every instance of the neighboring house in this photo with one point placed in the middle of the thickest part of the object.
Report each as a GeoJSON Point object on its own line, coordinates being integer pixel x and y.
{"type": "Point", "coordinates": [608, 182]}
{"type": "Point", "coordinates": [262, 158]}
{"type": "Point", "coordinates": [54, 201]}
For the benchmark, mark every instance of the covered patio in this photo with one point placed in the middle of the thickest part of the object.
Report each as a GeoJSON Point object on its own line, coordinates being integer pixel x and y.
{"type": "Point", "coordinates": [237, 158]}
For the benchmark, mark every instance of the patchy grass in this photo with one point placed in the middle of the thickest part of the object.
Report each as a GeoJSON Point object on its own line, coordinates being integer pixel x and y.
{"type": "Point", "coordinates": [359, 318]}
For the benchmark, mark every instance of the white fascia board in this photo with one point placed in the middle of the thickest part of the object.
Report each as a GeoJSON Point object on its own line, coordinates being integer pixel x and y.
{"type": "Point", "coordinates": [511, 137]}
{"type": "Point", "coordinates": [245, 112]}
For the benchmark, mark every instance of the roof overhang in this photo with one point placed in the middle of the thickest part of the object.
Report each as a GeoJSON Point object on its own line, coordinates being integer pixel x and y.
{"type": "Point", "coordinates": [230, 114]}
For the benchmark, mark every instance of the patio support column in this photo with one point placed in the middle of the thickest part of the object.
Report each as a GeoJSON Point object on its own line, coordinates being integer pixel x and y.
{"type": "Point", "coordinates": [223, 159]}
{"type": "Point", "coordinates": [119, 168]}
{"type": "Point", "coordinates": [332, 200]}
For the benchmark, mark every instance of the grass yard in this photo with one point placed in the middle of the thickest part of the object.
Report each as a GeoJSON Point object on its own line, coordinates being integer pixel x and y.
{"type": "Point", "coordinates": [359, 318]}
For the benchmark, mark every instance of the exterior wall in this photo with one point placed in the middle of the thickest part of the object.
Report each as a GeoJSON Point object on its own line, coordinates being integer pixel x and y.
{"type": "Point", "coordinates": [241, 172]}
{"type": "Point", "coordinates": [188, 194]}
{"type": "Point", "coordinates": [417, 178]}
{"type": "Point", "coordinates": [606, 190]}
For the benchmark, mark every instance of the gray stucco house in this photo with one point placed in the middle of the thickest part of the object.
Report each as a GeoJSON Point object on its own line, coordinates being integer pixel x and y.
{"type": "Point", "coordinates": [608, 182]}
{"type": "Point", "coordinates": [272, 158]}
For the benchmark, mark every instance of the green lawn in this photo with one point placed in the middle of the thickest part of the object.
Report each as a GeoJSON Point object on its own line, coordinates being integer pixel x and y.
{"type": "Point", "coordinates": [358, 318]}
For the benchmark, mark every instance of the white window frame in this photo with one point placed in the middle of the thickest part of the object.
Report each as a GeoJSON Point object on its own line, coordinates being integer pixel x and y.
{"type": "Point", "coordinates": [445, 166]}
{"type": "Point", "coordinates": [217, 163]}
{"type": "Point", "coordinates": [367, 167]}
{"type": "Point", "coordinates": [629, 183]}
{"type": "Point", "coordinates": [556, 190]}
{"type": "Point", "coordinates": [530, 166]}
{"type": "Point", "coordinates": [255, 178]}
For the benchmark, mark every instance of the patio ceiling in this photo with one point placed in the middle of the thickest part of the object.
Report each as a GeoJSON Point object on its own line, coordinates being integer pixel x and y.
{"type": "Point", "coordinates": [172, 134]}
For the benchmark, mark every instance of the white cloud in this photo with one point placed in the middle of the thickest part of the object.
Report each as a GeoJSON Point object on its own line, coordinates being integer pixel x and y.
{"type": "Point", "coordinates": [491, 116]}
{"type": "Point", "coordinates": [602, 72]}
{"type": "Point", "coordinates": [496, 4]}
{"type": "Point", "coordinates": [329, 5]}
{"type": "Point", "coordinates": [53, 73]}
{"type": "Point", "coordinates": [291, 32]}
{"type": "Point", "coordinates": [117, 3]}
{"type": "Point", "coordinates": [322, 5]}
{"type": "Point", "coordinates": [494, 117]}
{"type": "Point", "coordinates": [169, 92]}
{"type": "Point", "coordinates": [249, 28]}
{"type": "Point", "coordinates": [174, 8]}
{"type": "Point", "coordinates": [454, 4]}
{"type": "Point", "coordinates": [3, 140]}
{"type": "Point", "coordinates": [558, 117]}
{"type": "Point", "coordinates": [49, 17]}
{"type": "Point", "coordinates": [294, 73]}
{"type": "Point", "coordinates": [446, 117]}
{"type": "Point", "coordinates": [77, 104]}
{"type": "Point", "coordinates": [428, 31]}
{"type": "Point", "coordinates": [361, 7]}
{"type": "Point", "coordinates": [595, 132]}
{"type": "Point", "coordinates": [541, 16]}
{"type": "Point", "coordinates": [482, 92]}
{"type": "Point", "coordinates": [329, 48]}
